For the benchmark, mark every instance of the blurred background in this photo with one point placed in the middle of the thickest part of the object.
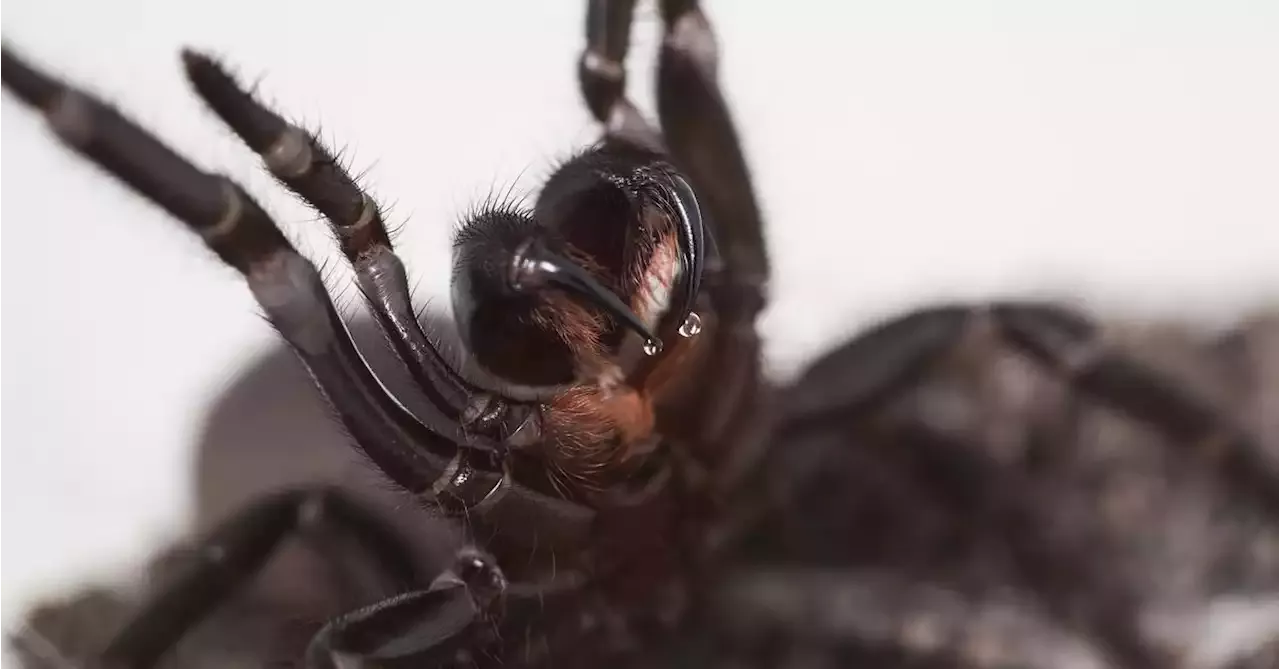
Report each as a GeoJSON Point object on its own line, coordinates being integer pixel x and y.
{"type": "Point", "coordinates": [1118, 154]}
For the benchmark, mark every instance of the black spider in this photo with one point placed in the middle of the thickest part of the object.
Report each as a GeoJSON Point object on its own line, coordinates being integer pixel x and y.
{"type": "Point", "coordinates": [645, 496]}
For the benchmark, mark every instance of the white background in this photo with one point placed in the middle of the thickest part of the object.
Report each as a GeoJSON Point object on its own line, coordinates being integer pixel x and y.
{"type": "Point", "coordinates": [1120, 153]}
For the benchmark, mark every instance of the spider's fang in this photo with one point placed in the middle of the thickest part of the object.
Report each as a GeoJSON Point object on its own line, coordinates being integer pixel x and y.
{"type": "Point", "coordinates": [693, 239]}
{"type": "Point", "coordinates": [533, 265]}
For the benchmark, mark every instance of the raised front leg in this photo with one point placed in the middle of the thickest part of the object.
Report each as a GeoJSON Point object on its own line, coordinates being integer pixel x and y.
{"type": "Point", "coordinates": [431, 455]}
{"type": "Point", "coordinates": [853, 379]}
{"type": "Point", "coordinates": [233, 554]}
{"type": "Point", "coordinates": [602, 74]}
{"type": "Point", "coordinates": [699, 135]}
{"type": "Point", "coordinates": [704, 143]}
{"type": "Point", "coordinates": [848, 401]}
{"type": "Point", "coordinates": [441, 626]}
{"type": "Point", "coordinates": [287, 286]}
{"type": "Point", "coordinates": [306, 167]}
{"type": "Point", "coordinates": [470, 616]}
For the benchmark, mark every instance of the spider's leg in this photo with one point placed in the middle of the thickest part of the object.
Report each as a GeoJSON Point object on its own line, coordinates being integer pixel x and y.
{"type": "Point", "coordinates": [1070, 345]}
{"type": "Point", "coordinates": [234, 552]}
{"type": "Point", "coordinates": [868, 617]}
{"type": "Point", "coordinates": [1193, 425]}
{"type": "Point", "coordinates": [602, 74]}
{"type": "Point", "coordinates": [874, 367]}
{"type": "Point", "coordinates": [699, 130]}
{"type": "Point", "coordinates": [430, 628]}
{"type": "Point", "coordinates": [469, 616]}
{"type": "Point", "coordinates": [845, 390]}
{"type": "Point", "coordinates": [696, 126]}
{"type": "Point", "coordinates": [244, 236]}
{"type": "Point", "coordinates": [305, 166]}
{"type": "Point", "coordinates": [434, 459]}
{"type": "Point", "coordinates": [699, 135]}
{"type": "Point", "coordinates": [1076, 583]}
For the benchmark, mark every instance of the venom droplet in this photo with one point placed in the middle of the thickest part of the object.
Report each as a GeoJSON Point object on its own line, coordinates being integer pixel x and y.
{"type": "Point", "coordinates": [691, 326]}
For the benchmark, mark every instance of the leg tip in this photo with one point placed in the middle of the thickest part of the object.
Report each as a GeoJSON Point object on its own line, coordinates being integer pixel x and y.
{"type": "Point", "coordinates": [26, 82]}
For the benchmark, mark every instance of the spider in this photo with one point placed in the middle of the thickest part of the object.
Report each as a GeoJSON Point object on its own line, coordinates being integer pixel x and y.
{"type": "Point", "coordinates": [644, 494]}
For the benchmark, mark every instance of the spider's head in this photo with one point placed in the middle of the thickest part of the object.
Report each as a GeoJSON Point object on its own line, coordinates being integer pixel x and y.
{"type": "Point", "coordinates": [606, 266]}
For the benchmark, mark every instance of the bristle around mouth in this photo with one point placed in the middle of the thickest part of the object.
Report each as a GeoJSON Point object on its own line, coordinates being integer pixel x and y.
{"type": "Point", "coordinates": [656, 282]}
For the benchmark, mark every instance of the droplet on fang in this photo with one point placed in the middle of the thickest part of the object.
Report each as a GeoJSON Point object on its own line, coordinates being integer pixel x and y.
{"type": "Point", "coordinates": [691, 326]}
{"type": "Point", "coordinates": [652, 347]}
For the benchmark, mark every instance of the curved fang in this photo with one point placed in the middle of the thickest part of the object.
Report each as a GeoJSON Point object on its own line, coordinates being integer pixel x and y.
{"type": "Point", "coordinates": [534, 265]}
{"type": "Point", "coordinates": [693, 240]}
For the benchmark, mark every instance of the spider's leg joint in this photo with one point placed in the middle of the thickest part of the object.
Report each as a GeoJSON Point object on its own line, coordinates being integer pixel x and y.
{"type": "Point", "coordinates": [528, 432]}
{"type": "Point", "coordinates": [368, 213]}
{"type": "Point", "coordinates": [496, 493]}
{"type": "Point", "coordinates": [480, 407]}
{"type": "Point", "coordinates": [231, 215]}
{"type": "Point", "coordinates": [291, 155]}
{"type": "Point", "coordinates": [448, 489]}
{"type": "Point", "coordinates": [70, 115]}
{"type": "Point", "coordinates": [690, 34]}
{"type": "Point", "coordinates": [514, 425]}
{"type": "Point", "coordinates": [288, 288]}
{"type": "Point", "coordinates": [602, 66]}
{"type": "Point", "coordinates": [455, 473]}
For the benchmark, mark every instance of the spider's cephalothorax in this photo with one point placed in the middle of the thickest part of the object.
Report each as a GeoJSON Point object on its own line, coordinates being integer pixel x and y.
{"type": "Point", "coordinates": [644, 497]}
